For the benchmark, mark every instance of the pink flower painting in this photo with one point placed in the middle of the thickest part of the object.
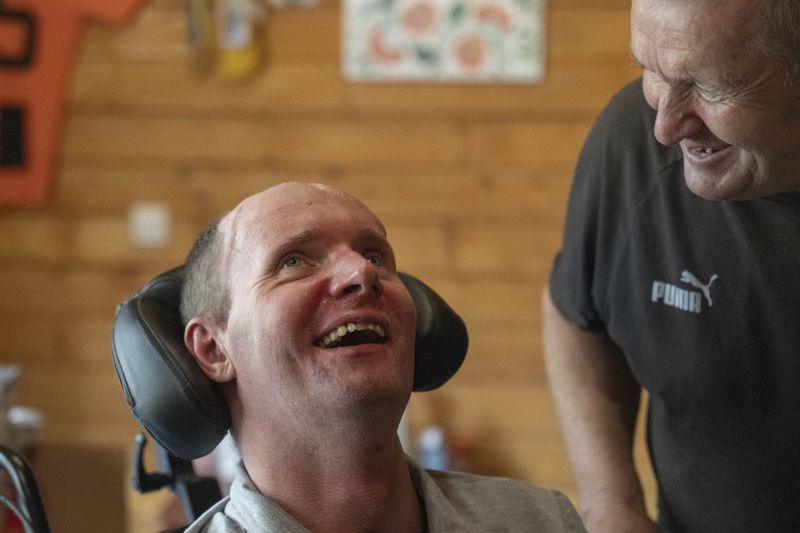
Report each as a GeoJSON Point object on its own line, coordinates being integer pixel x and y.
{"type": "Point", "coordinates": [444, 40]}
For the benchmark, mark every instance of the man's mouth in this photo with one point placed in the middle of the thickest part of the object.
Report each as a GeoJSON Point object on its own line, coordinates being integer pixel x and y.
{"type": "Point", "coordinates": [351, 334]}
{"type": "Point", "coordinates": [702, 151]}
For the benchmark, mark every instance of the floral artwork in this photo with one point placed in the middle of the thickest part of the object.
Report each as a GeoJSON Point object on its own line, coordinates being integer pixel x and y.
{"type": "Point", "coordinates": [444, 40]}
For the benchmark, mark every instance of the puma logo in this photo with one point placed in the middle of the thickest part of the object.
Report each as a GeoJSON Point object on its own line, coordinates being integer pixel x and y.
{"type": "Point", "coordinates": [705, 288]}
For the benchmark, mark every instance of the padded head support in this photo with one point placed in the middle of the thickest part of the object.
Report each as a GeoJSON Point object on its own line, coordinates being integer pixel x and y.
{"type": "Point", "coordinates": [185, 411]}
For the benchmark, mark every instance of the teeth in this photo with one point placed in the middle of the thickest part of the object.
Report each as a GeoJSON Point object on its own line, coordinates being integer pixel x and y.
{"type": "Point", "coordinates": [344, 329]}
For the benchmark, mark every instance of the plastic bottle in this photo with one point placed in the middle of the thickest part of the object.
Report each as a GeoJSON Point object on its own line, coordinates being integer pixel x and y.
{"type": "Point", "coordinates": [432, 449]}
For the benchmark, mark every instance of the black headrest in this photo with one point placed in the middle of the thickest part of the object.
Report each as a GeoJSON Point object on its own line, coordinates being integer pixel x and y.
{"type": "Point", "coordinates": [185, 411]}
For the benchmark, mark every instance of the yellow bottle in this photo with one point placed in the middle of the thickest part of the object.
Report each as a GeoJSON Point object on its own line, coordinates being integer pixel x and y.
{"type": "Point", "coordinates": [240, 30]}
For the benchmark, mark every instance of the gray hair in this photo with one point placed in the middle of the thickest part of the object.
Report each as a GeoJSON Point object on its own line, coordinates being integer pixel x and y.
{"type": "Point", "coordinates": [205, 292]}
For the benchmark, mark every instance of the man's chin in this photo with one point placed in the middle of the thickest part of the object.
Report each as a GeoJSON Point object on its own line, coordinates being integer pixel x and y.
{"type": "Point", "coordinates": [731, 185]}
{"type": "Point", "coordinates": [374, 389]}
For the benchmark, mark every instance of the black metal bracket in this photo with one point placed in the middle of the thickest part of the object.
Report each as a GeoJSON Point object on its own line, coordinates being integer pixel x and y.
{"type": "Point", "coordinates": [195, 493]}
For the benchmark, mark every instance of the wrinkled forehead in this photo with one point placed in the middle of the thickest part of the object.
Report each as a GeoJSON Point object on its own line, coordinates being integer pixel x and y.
{"type": "Point", "coordinates": [679, 37]}
{"type": "Point", "coordinates": [281, 211]}
{"type": "Point", "coordinates": [718, 21]}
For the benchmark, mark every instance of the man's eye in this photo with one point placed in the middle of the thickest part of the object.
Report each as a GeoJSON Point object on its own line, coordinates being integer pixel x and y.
{"type": "Point", "coordinates": [375, 260]}
{"type": "Point", "coordinates": [291, 262]}
{"type": "Point", "coordinates": [710, 94]}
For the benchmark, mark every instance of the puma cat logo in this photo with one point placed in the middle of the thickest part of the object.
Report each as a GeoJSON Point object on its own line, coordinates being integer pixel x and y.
{"type": "Point", "coordinates": [683, 299]}
{"type": "Point", "coordinates": [691, 279]}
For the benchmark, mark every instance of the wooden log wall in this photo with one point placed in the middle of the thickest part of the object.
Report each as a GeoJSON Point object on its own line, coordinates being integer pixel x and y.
{"type": "Point", "coordinates": [471, 181]}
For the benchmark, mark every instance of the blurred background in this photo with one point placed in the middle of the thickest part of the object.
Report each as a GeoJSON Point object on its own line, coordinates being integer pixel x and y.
{"type": "Point", "coordinates": [470, 179]}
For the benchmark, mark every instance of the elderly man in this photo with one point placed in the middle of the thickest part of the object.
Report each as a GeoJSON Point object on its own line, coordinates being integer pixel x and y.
{"type": "Point", "coordinates": [295, 307]}
{"type": "Point", "coordinates": [679, 274]}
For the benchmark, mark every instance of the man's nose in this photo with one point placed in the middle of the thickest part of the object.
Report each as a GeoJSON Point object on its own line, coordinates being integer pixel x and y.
{"type": "Point", "coordinates": [355, 274]}
{"type": "Point", "coordinates": [676, 118]}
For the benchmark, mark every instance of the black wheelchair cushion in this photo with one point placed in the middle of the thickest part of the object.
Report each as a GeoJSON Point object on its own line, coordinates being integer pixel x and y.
{"type": "Point", "coordinates": [185, 411]}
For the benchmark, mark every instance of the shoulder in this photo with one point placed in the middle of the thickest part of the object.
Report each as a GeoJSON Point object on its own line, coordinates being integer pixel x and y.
{"type": "Point", "coordinates": [622, 136]}
{"type": "Point", "coordinates": [489, 503]}
{"type": "Point", "coordinates": [621, 164]}
{"type": "Point", "coordinates": [627, 111]}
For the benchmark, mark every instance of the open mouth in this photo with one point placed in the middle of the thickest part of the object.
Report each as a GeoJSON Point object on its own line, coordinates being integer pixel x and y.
{"type": "Point", "coordinates": [352, 334]}
{"type": "Point", "coordinates": [706, 151]}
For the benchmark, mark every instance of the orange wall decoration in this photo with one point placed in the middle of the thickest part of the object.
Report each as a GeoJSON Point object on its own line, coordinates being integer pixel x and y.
{"type": "Point", "coordinates": [37, 41]}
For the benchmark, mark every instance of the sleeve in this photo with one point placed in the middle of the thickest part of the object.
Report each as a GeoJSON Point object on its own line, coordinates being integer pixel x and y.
{"type": "Point", "coordinates": [594, 229]}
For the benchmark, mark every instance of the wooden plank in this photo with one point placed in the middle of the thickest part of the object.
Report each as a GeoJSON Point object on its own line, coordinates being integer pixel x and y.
{"type": "Point", "coordinates": [106, 240]}
{"type": "Point", "coordinates": [26, 339]}
{"type": "Point", "coordinates": [157, 34]}
{"type": "Point", "coordinates": [76, 399]}
{"type": "Point", "coordinates": [42, 344]}
{"type": "Point", "coordinates": [86, 342]}
{"type": "Point", "coordinates": [288, 89]}
{"type": "Point", "coordinates": [49, 292]}
{"type": "Point", "coordinates": [175, 88]}
{"type": "Point", "coordinates": [113, 186]}
{"type": "Point", "coordinates": [589, 34]}
{"type": "Point", "coordinates": [420, 246]}
{"type": "Point", "coordinates": [469, 197]}
{"type": "Point", "coordinates": [489, 300]}
{"type": "Point", "coordinates": [575, 91]}
{"type": "Point", "coordinates": [82, 487]}
{"type": "Point", "coordinates": [512, 353]}
{"type": "Point", "coordinates": [118, 433]}
{"type": "Point", "coordinates": [317, 142]}
{"type": "Point", "coordinates": [494, 250]}
{"type": "Point", "coordinates": [33, 235]}
{"type": "Point", "coordinates": [536, 194]}
{"type": "Point", "coordinates": [494, 412]}
{"type": "Point", "coordinates": [448, 194]}
{"type": "Point", "coordinates": [520, 143]}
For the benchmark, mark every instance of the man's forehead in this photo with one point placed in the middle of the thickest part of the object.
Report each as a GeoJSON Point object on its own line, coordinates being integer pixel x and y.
{"type": "Point", "coordinates": [283, 212]}
{"type": "Point", "coordinates": [676, 37]}
{"type": "Point", "coordinates": [659, 25]}
{"type": "Point", "coordinates": [367, 235]}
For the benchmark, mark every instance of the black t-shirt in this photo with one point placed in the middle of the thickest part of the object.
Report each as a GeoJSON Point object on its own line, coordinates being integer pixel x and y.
{"type": "Point", "coordinates": [704, 299]}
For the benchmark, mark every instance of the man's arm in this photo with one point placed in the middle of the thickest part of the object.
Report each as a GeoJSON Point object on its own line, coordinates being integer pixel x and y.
{"type": "Point", "coordinates": [597, 400]}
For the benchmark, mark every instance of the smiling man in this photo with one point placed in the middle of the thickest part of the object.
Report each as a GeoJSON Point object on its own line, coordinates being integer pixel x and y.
{"type": "Point", "coordinates": [679, 275]}
{"type": "Point", "coordinates": [294, 305]}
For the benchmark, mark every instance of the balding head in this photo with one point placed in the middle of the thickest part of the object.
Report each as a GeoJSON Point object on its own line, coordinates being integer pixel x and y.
{"type": "Point", "coordinates": [206, 288]}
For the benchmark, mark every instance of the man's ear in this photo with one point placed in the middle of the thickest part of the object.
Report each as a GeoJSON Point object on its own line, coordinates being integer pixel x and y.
{"type": "Point", "coordinates": [202, 338]}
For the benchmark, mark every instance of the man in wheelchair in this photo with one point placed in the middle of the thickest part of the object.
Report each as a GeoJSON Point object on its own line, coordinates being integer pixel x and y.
{"type": "Point", "coordinates": [293, 305]}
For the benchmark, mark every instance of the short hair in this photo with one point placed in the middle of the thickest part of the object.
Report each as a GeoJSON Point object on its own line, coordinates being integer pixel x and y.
{"type": "Point", "coordinates": [778, 34]}
{"type": "Point", "coordinates": [205, 292]}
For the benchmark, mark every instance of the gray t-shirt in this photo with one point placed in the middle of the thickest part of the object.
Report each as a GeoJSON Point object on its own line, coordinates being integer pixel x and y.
{"type": "Point", "coordinates": [702, 297]}
{"type": "Point", "coordinates": [454, 502]}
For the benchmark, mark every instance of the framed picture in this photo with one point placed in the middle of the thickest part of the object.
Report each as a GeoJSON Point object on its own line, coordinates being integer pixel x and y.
{"type": "Point", "coordinates": [444, 40]}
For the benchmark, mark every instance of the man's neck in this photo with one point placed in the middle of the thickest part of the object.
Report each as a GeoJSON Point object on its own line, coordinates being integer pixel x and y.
{"type": "Point", "coordinates": [350, 483]}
